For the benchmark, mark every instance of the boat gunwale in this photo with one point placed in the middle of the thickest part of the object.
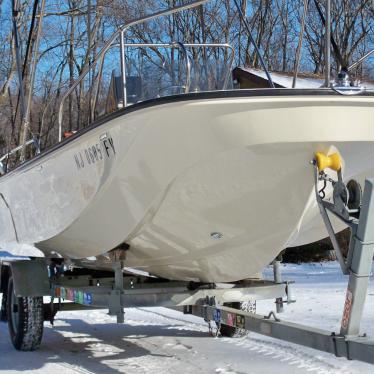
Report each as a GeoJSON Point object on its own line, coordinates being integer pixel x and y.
{"type": "Point", "coordinates": [222, 94]}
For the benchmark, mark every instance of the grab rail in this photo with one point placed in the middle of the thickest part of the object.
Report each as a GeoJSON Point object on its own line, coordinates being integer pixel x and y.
{"type": "Point", "coordinates": [120, 31]}
{"type": "Point", "coordinates": [361, 60]}
{"type": "Point", "coordinates": [15, 150]}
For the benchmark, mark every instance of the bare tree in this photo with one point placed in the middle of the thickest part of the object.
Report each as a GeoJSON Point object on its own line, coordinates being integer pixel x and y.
{"type": "Point", "coordinates": [75, 30]}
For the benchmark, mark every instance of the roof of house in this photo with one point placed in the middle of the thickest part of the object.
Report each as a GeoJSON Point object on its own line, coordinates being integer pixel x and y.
{"type": "Point", "coordinates": [285, 80]}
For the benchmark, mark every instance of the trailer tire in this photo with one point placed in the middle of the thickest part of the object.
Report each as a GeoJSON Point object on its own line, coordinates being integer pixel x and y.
{"type": "Point", "coordinates": [25, 320]}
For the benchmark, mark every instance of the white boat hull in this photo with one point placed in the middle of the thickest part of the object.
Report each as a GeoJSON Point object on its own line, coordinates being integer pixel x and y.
{"type": "Point", "coordinates": [165, 178]}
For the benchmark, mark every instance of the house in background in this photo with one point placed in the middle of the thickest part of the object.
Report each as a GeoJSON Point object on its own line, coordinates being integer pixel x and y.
{"type": "Point", "coordinates": [255, 78]}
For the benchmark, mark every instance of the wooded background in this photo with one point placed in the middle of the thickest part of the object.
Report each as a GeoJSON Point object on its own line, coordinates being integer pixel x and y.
{"type": "Point", "coordinates": [74, 30]}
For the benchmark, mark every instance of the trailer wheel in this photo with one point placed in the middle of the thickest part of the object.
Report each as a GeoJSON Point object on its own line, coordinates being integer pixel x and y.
{"type": "Point", "coordinates": [25, 320]}
{"type": "Point", "coordinates": [234, 332]}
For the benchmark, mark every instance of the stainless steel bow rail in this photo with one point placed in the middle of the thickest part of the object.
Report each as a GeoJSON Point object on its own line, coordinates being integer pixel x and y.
{"type": "Point", "coordinates": [5, 158]}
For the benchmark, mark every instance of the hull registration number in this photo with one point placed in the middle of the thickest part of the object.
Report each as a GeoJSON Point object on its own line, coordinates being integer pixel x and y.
{"type": "Point", "coordinates": [104, 149]}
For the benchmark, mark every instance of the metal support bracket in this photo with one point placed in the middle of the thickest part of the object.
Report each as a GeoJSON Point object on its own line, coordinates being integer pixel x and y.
{"type": "Point", "coordinates": [167, 294]}
{"type": "Point", "coordinates": [277, 280]}
{"type": "Point", "coordinates": [115, 296]}
{"type": "Point", "coordinates": [337, 211]}
{"type": "Point", "coordinates": [361, 264]}
{"type": "Point", "coordinates": [358, 263]}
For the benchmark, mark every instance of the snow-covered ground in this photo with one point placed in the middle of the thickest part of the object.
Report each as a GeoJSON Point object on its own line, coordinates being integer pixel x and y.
{"type": "Point", "coordinates": [159, 340]}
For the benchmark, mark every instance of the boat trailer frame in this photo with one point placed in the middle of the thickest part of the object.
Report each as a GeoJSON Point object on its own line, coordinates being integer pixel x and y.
{"type": "Point", "coordinates": [210, 301]}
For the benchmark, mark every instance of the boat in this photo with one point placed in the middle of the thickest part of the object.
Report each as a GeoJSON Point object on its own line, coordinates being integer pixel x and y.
{"type": "Point", "coordinates": [197, 186]}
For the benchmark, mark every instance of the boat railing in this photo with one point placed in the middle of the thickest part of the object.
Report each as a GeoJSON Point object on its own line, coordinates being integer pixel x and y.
{"type": "Point", "coordinates": [361, 60]}
{"type": "Point", "coordinates": [4, 160]}
{"type": "Point", "coordinates": [120, 32]}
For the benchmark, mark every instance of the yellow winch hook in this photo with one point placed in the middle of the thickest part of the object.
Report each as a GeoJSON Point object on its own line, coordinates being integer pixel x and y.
{"type": "Point", "coordinates": [332, 161]}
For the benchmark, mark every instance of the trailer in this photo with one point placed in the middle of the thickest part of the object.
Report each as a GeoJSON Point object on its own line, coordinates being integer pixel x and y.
{"type": "Point", "coordinates": [229, 308]}
{"type": "Point", "coordinates": [24, 284]}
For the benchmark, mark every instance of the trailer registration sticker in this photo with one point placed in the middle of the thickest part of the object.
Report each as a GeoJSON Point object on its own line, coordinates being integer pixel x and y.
{"type": "Point", "coordinates": [240, 322]}
{"type": "Point", "coordinates": [95, 153]}
{"type": "Point", "coordinates": [231, 319]}
{"type": "Point", "coordinates": [79, 297]}
{"type": "Point", "coordinates": [347, 309]}
{"type": "Point", "coordinates": [217, 315]}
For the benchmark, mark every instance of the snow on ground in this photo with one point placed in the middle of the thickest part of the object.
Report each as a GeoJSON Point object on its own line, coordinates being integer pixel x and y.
{"type": "Point", "coordinates": [159, 340]}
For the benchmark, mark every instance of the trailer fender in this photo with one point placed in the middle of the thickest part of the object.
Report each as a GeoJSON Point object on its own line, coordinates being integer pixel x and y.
{"type": "Point", "coordinates": [30, 278]}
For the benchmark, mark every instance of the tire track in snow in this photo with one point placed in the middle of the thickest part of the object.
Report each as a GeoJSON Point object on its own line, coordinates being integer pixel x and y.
{"type": "Point", "coordinates": [288, 353]}
{"type": "Point", "coordinates": [76, 369]}
{"type": "Point", "coordinates": [199, 326]}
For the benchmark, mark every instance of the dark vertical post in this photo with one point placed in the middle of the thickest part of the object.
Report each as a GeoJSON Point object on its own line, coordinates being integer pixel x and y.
{"type": "Point", "coordinates": [328, 43]}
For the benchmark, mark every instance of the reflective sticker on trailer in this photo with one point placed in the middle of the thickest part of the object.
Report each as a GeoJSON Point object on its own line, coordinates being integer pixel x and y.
{"type": "Point", "coordinates": [230, 319]}
{"type": "Point", "coordinates": [240, 322]}
{"type": "Point", "coordinates": [58, 292]}
{"type": "Point", "coordinates": [87, 298]}
{"type": "Point", "coordinates": [79, 297]}
{"type": "Point", "coordinates": [217, 315]}
{"type": "Point", "coordinates": [347, 309]}
{"type": "Point", "coordinates": [70, 294]}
